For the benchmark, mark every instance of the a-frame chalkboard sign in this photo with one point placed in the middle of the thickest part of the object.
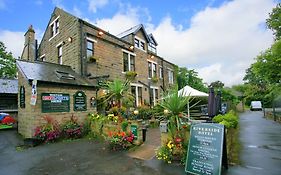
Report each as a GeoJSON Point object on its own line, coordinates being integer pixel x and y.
{"type": "Point", "coordinates": [207, 149]}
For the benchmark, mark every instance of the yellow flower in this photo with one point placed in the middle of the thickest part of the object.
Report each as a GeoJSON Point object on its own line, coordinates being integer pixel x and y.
{"type": "Point", "coordinates": [170, 145]}
{"type": "Point", "coordinates": [169, 161]}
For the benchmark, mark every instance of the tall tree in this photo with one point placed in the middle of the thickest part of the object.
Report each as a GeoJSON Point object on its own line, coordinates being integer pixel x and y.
{"type": "Point", "coordinates": [190, 78]}
{"type": "Point", "coordinates": [217, 84]}
{"type": "Point", "coordinates": [274, 21]}
{"type": "Point", "coordinates": [8, 67]}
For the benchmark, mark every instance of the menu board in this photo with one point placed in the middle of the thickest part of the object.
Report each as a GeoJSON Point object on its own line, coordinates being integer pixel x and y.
{"type": "Point", "coordinates": [205, 150]}
{"type": "Point", "coordinates": [134, 129]}
{"type": "Point", "coordinates": [55, 102]}
{"type": "Point", "coordinates": [79, 101]}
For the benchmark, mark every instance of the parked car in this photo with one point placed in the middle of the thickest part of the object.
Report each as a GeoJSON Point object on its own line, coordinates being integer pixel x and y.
{"type": "Point", "coordinates": [256, 106]}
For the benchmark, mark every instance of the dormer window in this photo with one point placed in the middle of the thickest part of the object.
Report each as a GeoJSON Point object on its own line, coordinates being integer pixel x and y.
{"type": "Point", "coordinates": [139, 43]}
{"type": "Point", "coordinates": [152, 48]}
{"type": "Point", "coordinates": [54, 28]}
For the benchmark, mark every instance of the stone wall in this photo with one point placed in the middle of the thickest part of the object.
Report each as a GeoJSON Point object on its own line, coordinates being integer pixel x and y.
{"type": "Point", "coordinates": [68, 28]}
{"type": "Point", "coordinates": [31, 116]}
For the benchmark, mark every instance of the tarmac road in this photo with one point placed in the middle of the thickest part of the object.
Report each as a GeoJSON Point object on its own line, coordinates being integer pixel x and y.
{"type": "Point", "coordinates": [260, 155]}
{"type": "Point", "coordinates": [261, 146]}
{"type": "Point", "coordinates": [82, 156]}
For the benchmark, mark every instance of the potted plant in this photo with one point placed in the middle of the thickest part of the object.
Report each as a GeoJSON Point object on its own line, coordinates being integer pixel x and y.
{"type": "Point", "coordinates": [154, 79]}
{"type": "Point", "coordinates": [130, 75]}
{"type": "Point", "coordinates": [92, 59]}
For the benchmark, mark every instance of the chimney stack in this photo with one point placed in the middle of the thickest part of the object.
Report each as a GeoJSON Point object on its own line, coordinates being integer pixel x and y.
{"type": "Point", "coordinates": [29, 45]}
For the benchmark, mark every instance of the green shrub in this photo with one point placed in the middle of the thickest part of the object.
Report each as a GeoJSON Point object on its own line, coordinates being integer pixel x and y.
{"type": "Point", "coordinates": [145, 113]}
{"type": "Point", "coordinates": [229, 120]}
{"type": "Point", "coordinates": [124, 125]}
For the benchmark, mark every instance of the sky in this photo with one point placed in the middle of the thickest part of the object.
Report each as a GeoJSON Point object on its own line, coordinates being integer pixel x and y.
{"type": "Point", "coordinates": [217, 38]}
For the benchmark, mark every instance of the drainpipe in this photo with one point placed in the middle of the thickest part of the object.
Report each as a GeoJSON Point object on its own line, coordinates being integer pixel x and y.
{"type": "Point", "coordinates": [163, 82]}
{"type": "Point", "coordinates": [81, 47]}
{"type": "Point", "coordinates": [35, 50]}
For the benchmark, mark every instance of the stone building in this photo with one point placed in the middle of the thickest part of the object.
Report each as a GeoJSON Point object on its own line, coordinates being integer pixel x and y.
{"type": "Point", "coordinates": [72, 57]}
{"type": "Point", "coordinates": [48, 89]}
{"type": "Point", "coordinates": [94, 53]}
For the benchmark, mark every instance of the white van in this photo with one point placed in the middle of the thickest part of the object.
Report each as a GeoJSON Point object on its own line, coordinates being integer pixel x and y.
{"type": "Point", "coordinates": [256, 106]}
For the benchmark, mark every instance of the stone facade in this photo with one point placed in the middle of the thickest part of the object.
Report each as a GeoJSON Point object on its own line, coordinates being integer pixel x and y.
{"type": "Point", "coordinates": [31, 116]}
{"type": "Point", "coordinates": [72, 36]}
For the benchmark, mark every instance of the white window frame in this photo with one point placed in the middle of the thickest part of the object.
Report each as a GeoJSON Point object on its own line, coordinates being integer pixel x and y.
{"type": "Point", "coordinates": [154, 93]}
{"type": "Point", "coordinates": [60, 58]}
{"type": "Point", "coordinates": [54, 26]}
{"type": "Point", "coordinates": [152, 74]}
{"type": "Point", "coordinates": [152, 48]}
{"type": "Point", "coordinates": [129, 59]}
{"type": "Point", "coordinates": [91, 39]}
{"type": "Point", "coordinates": [139, 45]}
{"type": "Point", "coordinates": [137, 92]}
{"type": "Point", "coordinates": [161, 72]}
{"type": "Point", "coordinates": [170, 78]}
{"type": "Point", "coordinates": [43, 57]}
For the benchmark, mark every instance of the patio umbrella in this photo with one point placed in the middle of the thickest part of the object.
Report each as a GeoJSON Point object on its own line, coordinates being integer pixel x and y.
{"type": "Point", "coordinates": [218, 103]}
{"type": "Point", "coordinates": [189, 91]}
{"type": "Point", "coordinates": [211, 103]}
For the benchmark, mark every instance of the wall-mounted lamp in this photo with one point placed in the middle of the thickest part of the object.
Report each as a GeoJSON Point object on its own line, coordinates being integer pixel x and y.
{"type": "Point", "coordinates": [70, 39]}
{"type": "Point", "coordinates": [152, 56]}
{"type": "Point", "coordinates": [100, 33]}
{"type": "Point", "coordinates": [131, 47]}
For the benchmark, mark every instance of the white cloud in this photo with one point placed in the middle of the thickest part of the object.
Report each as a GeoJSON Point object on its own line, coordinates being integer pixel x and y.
{"type": "Point", "coordinates": [113, 26]}
{"type": "Point", "coordinates": [124, 19]}
{"type": "Point", "coordinates": [95, 4]}
{"type": "Point", "coordinates": [221, 42]}
{"type": "Point", "coordinates": [14, 41]}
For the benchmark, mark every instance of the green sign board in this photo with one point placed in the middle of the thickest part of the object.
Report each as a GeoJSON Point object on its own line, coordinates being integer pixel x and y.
{"type": "Point", "coordinates": [79, 101]}
{"type": "Point", "coordinates": [205, 149]}
{"type": "Point", "coordinates": [134, 129]}
{"type": "Point", "coordinates": [55, 102]}
{"type": "Point", "coordinates": [22, 97]}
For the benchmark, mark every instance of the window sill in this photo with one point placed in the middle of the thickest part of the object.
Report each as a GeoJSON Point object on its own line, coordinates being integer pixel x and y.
{"type": "Point", "coordinates": [54, 36]}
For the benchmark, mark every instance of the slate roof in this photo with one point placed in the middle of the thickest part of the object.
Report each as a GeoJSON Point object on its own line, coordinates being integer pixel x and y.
{"type": "Point", "coordinates": [51, 73]}
{"type": "Point", "coordinates": [9, 86]}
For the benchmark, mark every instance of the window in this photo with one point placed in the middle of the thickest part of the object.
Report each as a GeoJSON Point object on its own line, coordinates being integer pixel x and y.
{"type": "Point", "coordinates": [152, 47]}
{"type": "Point", "coordinates": [136, 90]}
{"type": "Point", "coordinates": [139, 43]}
{"type": "Point", "coordinates": [59, 54]}
{"type": "Point", "coordinates": [54, 28]}
{"type": "Point", "coordinates": [152, 71]}
{"type": "Point", "coordinates": [171, 76]}
{"type": "Point", "coordinates": [153, 94]}
{"type": "Point", "coordinates": [43, 57]}
{"type": "Point", "coordinates": [90, 49]}
{"type": "Point", "coordinates": [149, 70]}
{"type": "Point", "coordinates": [161, 72]}
{"type": "Point", "coordinates": [128, 61]}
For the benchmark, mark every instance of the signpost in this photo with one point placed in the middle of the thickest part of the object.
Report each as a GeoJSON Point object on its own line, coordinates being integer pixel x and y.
{"type": "Point", "coordinates": [55, 102]}
{"type": "Point", "coordinates": [134, 129]}
{"type": "Point", "coordinates": [206, 149]}
{"type": "Point", "coordinates": [79, 101]}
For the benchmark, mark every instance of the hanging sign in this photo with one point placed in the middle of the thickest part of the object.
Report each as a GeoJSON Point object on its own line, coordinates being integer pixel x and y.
{"type": "Point", "coordinates": [55, 102]}
{"type": "Point", "coordinates": [79, 101]}
{"type": "Point", "coordinates": [22, 97]}
{"type": "Point", "coordinates": [204, 156]}
{"type": "Point", "coordinates": [33, 93]}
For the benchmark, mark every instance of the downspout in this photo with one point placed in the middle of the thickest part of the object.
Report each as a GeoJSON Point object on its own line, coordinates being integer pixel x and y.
{"type": "Point", "coordinates": [81, 47]}
{"type": "Point", "coordinates": [35, 50]}
{"type": "Point", "coordinates": [163, 82]}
